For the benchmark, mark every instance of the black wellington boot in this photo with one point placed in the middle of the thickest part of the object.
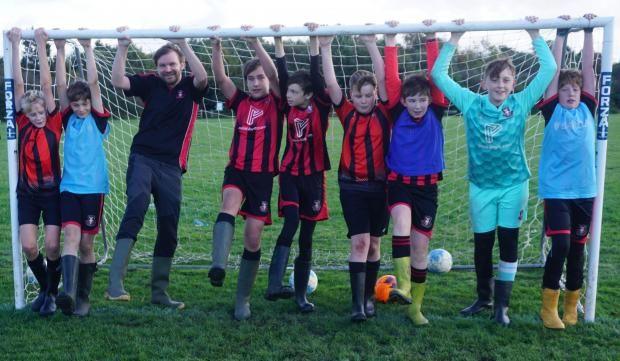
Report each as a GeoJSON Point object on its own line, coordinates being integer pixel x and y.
{"type": "Point", "coordinates": [485, 298]}
{"type": "Point", "coordinates": [358, 282]}
{"type": "Point", "coordinates": [503, 289]}
{"type": "Point", "coordinates": [85, 284]}
{"type": "Point", "coordinates": [301, 276]}
{"type": "Point", "coordinates": [66, 299]}
{"type": "Point", "coordinates": [53, 278]}
{"type": "Point", "coordinates": [37, 266]}
{"type": "Point", "coordinates": [277, 268]}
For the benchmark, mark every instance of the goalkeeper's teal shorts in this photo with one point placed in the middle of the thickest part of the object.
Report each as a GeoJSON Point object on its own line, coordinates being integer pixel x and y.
{"type": "Point", "coordinates": [493, 207]}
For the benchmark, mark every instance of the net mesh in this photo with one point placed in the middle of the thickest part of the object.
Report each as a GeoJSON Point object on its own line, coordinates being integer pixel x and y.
{"type": "Point", "coordinates": [213, 133]}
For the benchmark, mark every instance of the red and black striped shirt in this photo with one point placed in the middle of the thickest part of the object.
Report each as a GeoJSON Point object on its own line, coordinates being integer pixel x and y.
{"type": "Point", "coordinates": [258, 129]}
{"type": "Point", "coordinates": [39, 157]}
{"type": "Point", "coordinates": [365, 142]}
{"type": "Point", "coordinates": [306, 151]}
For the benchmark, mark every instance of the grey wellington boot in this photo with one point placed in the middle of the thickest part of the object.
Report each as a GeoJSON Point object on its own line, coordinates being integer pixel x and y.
{"type": "Point", "coordinates": [118, 270]}
{"type": "Point", "coordinates": [160, 279]}
{"type": "Point", "coordinates": [222, 242]}
{"type": "Point", "coordinates": [247, 275]}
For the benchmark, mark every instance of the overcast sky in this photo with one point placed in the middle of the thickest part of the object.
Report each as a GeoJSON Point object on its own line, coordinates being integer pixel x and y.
{"type": "Point", "coordinates": [107, 14]}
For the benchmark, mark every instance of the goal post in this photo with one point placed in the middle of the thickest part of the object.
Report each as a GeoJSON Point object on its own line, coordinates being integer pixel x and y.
{"type": "Point", "coordinates": [452, 187]}
{"type": "Point", "coordinates": [604, 97]}
{"type": "Point", "coordinates": [11, 141]}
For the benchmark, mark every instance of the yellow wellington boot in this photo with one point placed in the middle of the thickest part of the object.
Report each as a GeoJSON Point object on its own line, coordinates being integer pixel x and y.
{"type": "Point", "coordinates": [402, 268]}
{"type": "Point", "coordinates": [570, 307]}
{"type": "Point", "coordinates": [549, 309]}
{"type": "Point", "coordinates": [414, 310]}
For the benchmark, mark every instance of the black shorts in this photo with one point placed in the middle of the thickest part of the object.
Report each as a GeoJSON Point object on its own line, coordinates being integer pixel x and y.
{"type": "Point", "coordinates": [569, 216]}
{"type": "Point", "coordinates": [364, 212]}
{"type": "Point", "coordinates": [306, 192]}
{"type": "Point", "coordinates": [82, 210]}
{"type": "Point", "coordinates": [30, 207]}
{"type": "Point", "coordinates": [421, 200]}
{"type": "Point", "coordinates": [256, 189]}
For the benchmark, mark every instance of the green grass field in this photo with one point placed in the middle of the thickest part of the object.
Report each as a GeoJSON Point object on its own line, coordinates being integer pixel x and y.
{"type": "Point", "coordinates": [205, 329]}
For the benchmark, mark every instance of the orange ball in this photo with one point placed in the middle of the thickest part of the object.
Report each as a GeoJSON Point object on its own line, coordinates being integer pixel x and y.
{"type": "Point", "coordinates": [384, 285]}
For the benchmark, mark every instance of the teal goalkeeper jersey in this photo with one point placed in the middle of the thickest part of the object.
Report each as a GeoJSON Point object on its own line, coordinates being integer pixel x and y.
{"type": "Point", "coordinates": [495, 135]}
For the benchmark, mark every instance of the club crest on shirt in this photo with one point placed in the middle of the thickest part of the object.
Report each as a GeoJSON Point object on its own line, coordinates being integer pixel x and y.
{"type": "Point", "coordinates": [581, 230]}
{"type": "Point", "coordinates": [507, 112]}
{"type": "Point", "coordinates": [90, 221]}
{"type": "Point", "coordinates": [180, 94]}
{"type": "Point", "coordinates": [253, 114]}
{"type": "Point", "coordinates": [301, 127]}
{"type": "Point", "coordinates": [263, 206]}
{"type": "Point", "coordinates": [427, 221]}
{"type": "Point", "coordinates": [316, 205]}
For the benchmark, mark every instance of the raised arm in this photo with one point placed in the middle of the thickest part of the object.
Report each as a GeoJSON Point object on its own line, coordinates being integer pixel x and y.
{"type": "Point", "coordinates": [318, 84]}
{"type": "Point", "coordinates": [587, 59]}
{"type": "Point", "coordinates": [92, 77]}
{"type": "Point", "coordinates": [370, 41]}
{"type": "Point", "coordinates": [227, 87]}
{"type": "Point", "coordinates": [556, 50]}
{"type": "Point", "coordinates": [280, 61]}
{"type": "Point", "coordinates": [198, 70]}
{"type": "Point", "coordinates": [547, 70]}
{"type": "Point", "coordinates": [119, 79]}
{"type": "Point", "coordinates": [61, 73]}
{"type": "Point", "coordinates": [45, 76]}
{"type": "Point", "coordinates": [533, 33]}
{"type": "Point", "coordinates": [333, 89]}
{"type": "Point", "coordinates": [461, 97]}
{"type": "Point", "coordinates": [432, 51]}
{"type": "Point", "coordinates": [267, 64]}
{"type": "Point", "coordinates": [392, 79]}
{"type": "Point", "coordinates": [15, 37]}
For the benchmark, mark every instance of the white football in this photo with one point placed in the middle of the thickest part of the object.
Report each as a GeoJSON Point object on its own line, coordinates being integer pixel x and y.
{"type": "Point", "coordinates": [439, 261]}
{"type": "Point", "coordinates": [313, 282]}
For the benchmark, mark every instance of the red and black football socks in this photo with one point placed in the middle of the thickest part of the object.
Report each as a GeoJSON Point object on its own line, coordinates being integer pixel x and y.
{"type": "Point", "coordinates": [401, 246]}
{"type": "Point", "coordinates": [418, 275]}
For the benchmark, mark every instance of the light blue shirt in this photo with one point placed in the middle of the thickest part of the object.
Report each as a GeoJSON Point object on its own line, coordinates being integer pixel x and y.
{"type": "Point", "coordinates": [85, 169]}
{"type": "Point", "coordinates": [566, 168]}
